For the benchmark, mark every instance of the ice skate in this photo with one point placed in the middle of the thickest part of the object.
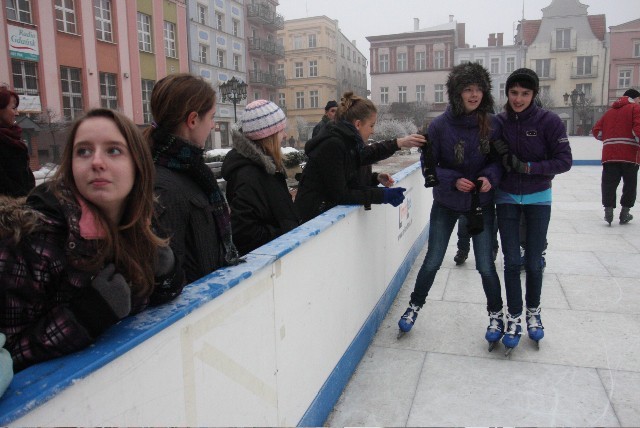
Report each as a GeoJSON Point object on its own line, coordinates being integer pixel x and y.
{"type": "Point", "coordinates": [534, 325]}
{"type": "Point", "coordinates": [511, 337]}
{"type": "Point", "coordinates": [495, 330]}
{"type": "Point", "coordinates": [460, 257]}
{"type": "Point", "coordinates": [408, 319]}
{"type": "Point", "coordinates": [625, 216]}
{"type": "Point", "coordinates": [608, 215]}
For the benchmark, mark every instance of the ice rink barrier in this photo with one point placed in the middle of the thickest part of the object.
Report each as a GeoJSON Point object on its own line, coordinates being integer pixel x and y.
{"type": "Point", "coordinates": [271, 342]}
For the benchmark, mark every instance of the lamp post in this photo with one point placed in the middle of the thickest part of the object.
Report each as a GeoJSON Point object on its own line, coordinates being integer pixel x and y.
{"type": "Point", "coordinates": [576, 97]}
{"type": "Point", "coordinates": [233, 90]}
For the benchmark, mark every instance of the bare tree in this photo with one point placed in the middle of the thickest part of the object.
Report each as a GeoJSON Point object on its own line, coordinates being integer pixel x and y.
{"type": "Point", "coordinates": [304, 128]}
{"type": "Point", "coordinates": [52, 123]}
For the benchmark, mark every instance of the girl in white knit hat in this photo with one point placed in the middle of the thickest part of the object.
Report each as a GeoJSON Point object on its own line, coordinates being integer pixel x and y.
{"type": "Point", "coordinates": [257, 191]}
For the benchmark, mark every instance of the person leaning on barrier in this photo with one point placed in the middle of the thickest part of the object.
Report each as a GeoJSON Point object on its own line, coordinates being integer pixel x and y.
{"type": "Point", "coordinates": [332, 174]}
{"type": "Point", "coordinates": [80, 254]}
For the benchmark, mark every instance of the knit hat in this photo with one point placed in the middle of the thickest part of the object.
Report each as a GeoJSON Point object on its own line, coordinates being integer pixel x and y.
{"type": "Point", "coordinates": [631, 93]}
{"type": "Point", "coordinates": [262, 118]}
{"type": "Point", "coordinates": [330, 105]}
{"type": "Point", "coordinates": [522, 75]}
{"type": "Point", "coordinates": [463, 75]}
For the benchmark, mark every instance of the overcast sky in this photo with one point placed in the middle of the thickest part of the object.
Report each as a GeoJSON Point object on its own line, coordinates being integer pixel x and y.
{"type": "Point", "coordinates": [361, 18]}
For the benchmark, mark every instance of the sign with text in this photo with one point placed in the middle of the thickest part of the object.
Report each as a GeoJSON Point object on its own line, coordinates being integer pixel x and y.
{"type": "Point", "coordinates": [23, 43]}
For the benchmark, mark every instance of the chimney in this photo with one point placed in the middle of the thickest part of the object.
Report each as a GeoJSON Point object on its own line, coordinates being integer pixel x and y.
{"type": "Point", "coordinates": [416, 24]}
{"type": "Point", "coordinates": [500, 39]}
{"type": "Point", "coordinates": [353, 42]}
{"type": "Point", "coordinates": [492, 40]}
{"type": "Point", "coordinates": [450, 18]}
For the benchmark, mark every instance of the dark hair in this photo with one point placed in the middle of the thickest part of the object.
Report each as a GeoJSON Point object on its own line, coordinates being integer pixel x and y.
{"type": "Point", "coordinates": [5, 97]}
{"type": "Point", "coordinates": [131, 244]}
{"type": "Point", "coordinates": [631, 93]}
{"type": "Point", "coordinates": [353, 107]}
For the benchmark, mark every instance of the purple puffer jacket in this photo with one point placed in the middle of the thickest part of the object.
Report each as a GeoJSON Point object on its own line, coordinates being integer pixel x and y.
{"type": "Point", "coordinates": [458, 153]}
{"type": "Point", "coordinates": [537, 136]}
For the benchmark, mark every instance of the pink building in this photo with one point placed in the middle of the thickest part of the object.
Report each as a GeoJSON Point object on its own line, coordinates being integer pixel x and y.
{"type": "Point", "coordinates": [624, 66]}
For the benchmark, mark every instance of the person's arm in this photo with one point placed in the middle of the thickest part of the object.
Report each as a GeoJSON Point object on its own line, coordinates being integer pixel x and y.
{"type": "Point", "coordinates": [381, 150]}
{"type": "Point", "coordinates": [558, 150]}
{"type": "Point", "coordinates": [169, 278]}
{"type": "Point", "coordinates": [636, 120]}
{"type": "Point", "coordinates": [597, 129]}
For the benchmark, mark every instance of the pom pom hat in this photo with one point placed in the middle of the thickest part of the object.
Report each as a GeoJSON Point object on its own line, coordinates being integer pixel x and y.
{"type": "Point", "coordinates": [262, 118]}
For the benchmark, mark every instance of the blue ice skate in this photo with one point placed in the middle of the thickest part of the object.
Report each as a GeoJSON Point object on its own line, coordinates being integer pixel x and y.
{"type": "Point", "coordinates": [511, 337]}
{"type": "Point", "coordinates": [534, 325]}
{"type": "Point", "coordinates": [408, 319]}
{"type": "Point", "coordinates": [495, 330]}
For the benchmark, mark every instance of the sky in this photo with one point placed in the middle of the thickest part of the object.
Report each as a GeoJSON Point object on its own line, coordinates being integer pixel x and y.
{"type": "Point", "coordinates": [361, 18]}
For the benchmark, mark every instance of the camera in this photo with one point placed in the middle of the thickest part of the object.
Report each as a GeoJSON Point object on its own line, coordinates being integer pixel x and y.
{"type": "Point", "coordinates": [428, 164]}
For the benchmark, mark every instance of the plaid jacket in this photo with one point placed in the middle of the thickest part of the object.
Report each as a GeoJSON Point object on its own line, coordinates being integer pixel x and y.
{"type": "Point", "coordinates": [44, 299]}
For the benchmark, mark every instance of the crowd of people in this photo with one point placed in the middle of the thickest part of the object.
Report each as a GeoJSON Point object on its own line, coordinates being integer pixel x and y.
{"type": "Point", "coordinates": [130, 218]}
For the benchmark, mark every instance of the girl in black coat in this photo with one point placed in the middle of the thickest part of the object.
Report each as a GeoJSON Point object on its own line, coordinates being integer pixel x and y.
{"type": "Point", "coordinates": [261, 205]}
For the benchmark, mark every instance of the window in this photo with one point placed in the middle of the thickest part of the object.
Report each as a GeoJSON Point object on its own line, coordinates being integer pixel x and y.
{"type": "Point", "coordinates": [384, 95]}
{"type": "Point", "coordinates": [219, 21]}
{"type": "Point", "coordinates": [297, 42]}
{"type": "Point", "coordinates": [235, 25]}
{"type": "Point", "coordinates": [147, 87]}
{"type": "Point", "coordinates": [563, 38]}
{"type": "Point", "coordinates": [300, 100]}
{"type": "Point", "coordinates": [401, 62]}
{"type": "Point", "coordinates": [584, 66]}
{"type": "Point", "coordinates": [298, 69]}
{"type": "Point", "coordinates": [438, 94]}
{"type": "Point", "coordinates": [312, 40]}
{"type": "Point", "coordinates": [19, 10]}
{"type": "Point", "coordinates": [256, 96]}
{"type": "Point", "coordinates": [421, 60]}
{"type": "Point", "coordinates": [348, 52]}
{"type": "Point", "coordinates": [402, 94]}
{"type": "Point", "coordinates": [281, 99]}
{"type": "Point", "coordinates": [636, 48]}
{"type": "Point", "coordinates": [25, 77]}
{"type": "Point", "coordinates": [624, 79]}
{"type": "Point", "coordinates": [220, 54]}
{"type": "Point", "coordinates": [585, 88]}
{"type": "Point", "coordinates": [545, 92]}
{"type": "Point", "coordinates": [236, 62]}
{"type": "Point", "coordinates": [170, 39]}
{"type": "Point", "coordinates": [313, 68]}
{"type": "Point", "coordinates": [342, 50]}
{"type": "Point", "coordinates": [420, 93]}
{"type": "Point", "coordinates": [495, 66]}
{"type": "Point", "coordinates": [280, 70]}
{"type": "Point", "coordinates": [108, 91]}
{"type": "Point", "coordinates": [543, 67]}
{"type": "Point", "coordinates": [102, 12]}
{"type": "Point", "coordinates": [202, 14]}
{"type": "Point", "coordinates": [66, 16]}
{"type": "Point", "coordinates": [480, 61]}
{"type": "Point", "coordinates": [511, 64]}
{"type": "Point", "coordinates": [71, 92]}
{"type": "Point", "coordinates": [313, 99]}
{"type": "Point", "coordinates": [502, 89]}
{"type": "Point", "coordinates": [354, 56]}
{"type": "Point", "coordinates": [384, 63]}
{"type": "Point", "coordinates": [203, 54]}
{"type": "Point", "coordinates": [144, 32]}
{"type": "Point", "coordinates": [438, 59]}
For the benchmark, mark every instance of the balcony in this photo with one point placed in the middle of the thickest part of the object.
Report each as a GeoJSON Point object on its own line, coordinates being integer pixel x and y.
{"type": "Point", "coordinates": [257, 77]}
{"type": "Point", "coordinates": [262, 13]}
{"type": "Point", "coordinates": [264, 47]}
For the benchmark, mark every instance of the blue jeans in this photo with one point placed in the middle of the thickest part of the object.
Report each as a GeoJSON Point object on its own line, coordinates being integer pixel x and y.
{"type": "Point", "coordinates": [537, 219]}
{"type": "Point", "coordinates": [442, 222]}
{"type": "Point", "coordinates": [464, 239]}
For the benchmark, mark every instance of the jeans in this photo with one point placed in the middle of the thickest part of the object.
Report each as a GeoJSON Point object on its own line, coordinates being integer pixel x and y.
{"type": "Point", "coordinates": [612, 172]}
{"type": "Point", "coordinates": [464, 239]}
{"type": "Point", "coordinates": [442, 222]}
{"type": "Point", "coordinates": [537, 219]}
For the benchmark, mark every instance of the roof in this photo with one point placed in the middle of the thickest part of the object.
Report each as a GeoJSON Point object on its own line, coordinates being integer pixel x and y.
{"type": "Point", "coordinates": [530, 30]}
{"type": "Point", "coordinates": [598, 25]}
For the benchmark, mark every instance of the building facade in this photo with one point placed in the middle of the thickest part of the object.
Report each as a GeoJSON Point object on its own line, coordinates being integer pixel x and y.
{"type": "Point", "coordinates": [624, 68]}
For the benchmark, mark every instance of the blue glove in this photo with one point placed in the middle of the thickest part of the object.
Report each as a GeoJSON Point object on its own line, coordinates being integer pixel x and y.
{"type": "Point", "coordinates": [6, 367]}
{"type": "Point", "coordinates": [393, 196]}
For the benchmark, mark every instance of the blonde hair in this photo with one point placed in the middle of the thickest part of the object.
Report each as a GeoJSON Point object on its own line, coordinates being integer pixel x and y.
{"type": "Point", "coordinates": [271, 147]}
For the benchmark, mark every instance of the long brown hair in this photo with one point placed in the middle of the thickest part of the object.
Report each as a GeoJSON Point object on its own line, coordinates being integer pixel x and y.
{"type": "Point", "coordinates": [132, 244]}
{"type": "Point", "coordinates": [271, 146]}
{"type": "Point", "coordinates": [353, 107]}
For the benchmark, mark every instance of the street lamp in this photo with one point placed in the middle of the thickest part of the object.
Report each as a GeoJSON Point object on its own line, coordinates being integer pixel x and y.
{"type": "Point", "coordinates": [233, 90]}
{"type": "Point", "coordinates": [577, 97]}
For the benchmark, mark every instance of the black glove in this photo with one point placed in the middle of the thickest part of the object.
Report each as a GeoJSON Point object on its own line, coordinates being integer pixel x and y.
{"type": "Point", "coordinates": [393, 196]}
{"type": "Point", "coordinates": [475, 220]}
{"type": "Point", "coordinates": [517, 165]}
{"type": "Point", "coordinates": [501, 147]}
{"type": "Point", "coordinates": [115, 291]}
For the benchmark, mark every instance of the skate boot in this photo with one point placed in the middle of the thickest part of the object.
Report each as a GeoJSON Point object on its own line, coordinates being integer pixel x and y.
{"type": "Point", "coordinates": [534, 325]}
{"type": "Point", "coordinates": [495, 329]}
{"type": "Point", "coordinates": [511, 336]}
{"type": "Point", "coordinates": [608, 215]}
{"type": "Point", "coordinates": [408, 319]}
{"type": "Point", "coordinates": [460, 257]}
{"type": "Point", "coordinates": [625, 216]}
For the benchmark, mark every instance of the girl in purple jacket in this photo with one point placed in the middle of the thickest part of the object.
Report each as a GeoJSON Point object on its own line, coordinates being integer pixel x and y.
{"type": "Point", "coordinates": [534, 147]}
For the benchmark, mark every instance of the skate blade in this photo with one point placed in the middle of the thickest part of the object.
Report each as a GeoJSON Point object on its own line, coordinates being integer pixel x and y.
{"type": "Point", "coordinates": [508, 352]}
{"type": "Point", "coordinates": [492, 345]}
{"type": "Point", "coordinates": [400, 334]}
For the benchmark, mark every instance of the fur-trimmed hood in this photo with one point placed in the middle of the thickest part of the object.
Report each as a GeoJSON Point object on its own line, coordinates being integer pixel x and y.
{"type": "Point", "coordinates": [246, 152]}
{"type": "Point", "coordinates": [17, 219]}
{"type": "Point", "coordinates": [464, 75]}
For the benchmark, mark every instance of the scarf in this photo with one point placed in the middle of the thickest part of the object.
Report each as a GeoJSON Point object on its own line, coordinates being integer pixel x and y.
{"type": "Point", "coordinates": [177, 154]}
{"type": "Point", "coordinates": [12, 136]}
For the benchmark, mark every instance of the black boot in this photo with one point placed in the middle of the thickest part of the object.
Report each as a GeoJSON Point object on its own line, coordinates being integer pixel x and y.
{"type": "Point", "coordinates": [625, 216]}
{"type": "Point", "coordinates": [460, 257]}
{"type": "Point", "coordinates": [608, 215]}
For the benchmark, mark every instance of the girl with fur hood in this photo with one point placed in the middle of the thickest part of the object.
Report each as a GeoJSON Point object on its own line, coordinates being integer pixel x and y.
{"type": "Point", "coordinates": [467, 173]}
{"type": "Point", "coordinates": [261, 205]}
{"type": "Point", "coordinates": [79, 255]}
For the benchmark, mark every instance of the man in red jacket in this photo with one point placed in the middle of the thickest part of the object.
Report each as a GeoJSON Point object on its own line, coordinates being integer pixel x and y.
{"type": "Point", "coordinates": [619, 131]}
